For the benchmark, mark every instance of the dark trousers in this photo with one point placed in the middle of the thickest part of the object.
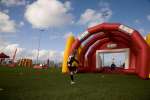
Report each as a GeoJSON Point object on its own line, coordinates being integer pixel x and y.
{"type": "Point", "coordinates": [71, 76]}
{"type": "Point", "coordinates": [72, 70]}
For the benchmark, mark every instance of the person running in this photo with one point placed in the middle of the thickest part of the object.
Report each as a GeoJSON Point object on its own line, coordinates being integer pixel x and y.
{"type": "Point", "coordinates": [72, 66]}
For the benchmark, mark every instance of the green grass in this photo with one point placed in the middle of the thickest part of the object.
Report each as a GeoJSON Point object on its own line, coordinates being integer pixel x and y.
{"type": "Point", "coordinates": [30, 84]}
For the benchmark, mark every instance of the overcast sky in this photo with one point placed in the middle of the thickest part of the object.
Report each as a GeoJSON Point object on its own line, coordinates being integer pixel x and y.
{"type": "Point", "coordinates": [21, 22]}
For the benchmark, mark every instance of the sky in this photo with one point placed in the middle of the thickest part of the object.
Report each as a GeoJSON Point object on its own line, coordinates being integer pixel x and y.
{"type": "Point", "coordinates": [24, 22]}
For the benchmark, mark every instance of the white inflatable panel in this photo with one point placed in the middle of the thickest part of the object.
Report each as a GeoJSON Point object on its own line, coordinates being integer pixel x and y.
{"type": "Point", "coordinates": [126, 29]}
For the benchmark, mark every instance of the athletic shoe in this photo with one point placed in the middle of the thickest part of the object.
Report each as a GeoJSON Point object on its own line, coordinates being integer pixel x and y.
{"type": "Point", "coordinates": [72, 82]}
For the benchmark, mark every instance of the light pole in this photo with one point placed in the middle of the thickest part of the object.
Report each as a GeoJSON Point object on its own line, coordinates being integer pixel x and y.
{"type": "Point", "coordinates": [39, 44]}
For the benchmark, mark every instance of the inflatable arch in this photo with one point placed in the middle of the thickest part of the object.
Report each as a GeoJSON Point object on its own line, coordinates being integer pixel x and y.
{"type": "Point", "coordinates": [112, 37]}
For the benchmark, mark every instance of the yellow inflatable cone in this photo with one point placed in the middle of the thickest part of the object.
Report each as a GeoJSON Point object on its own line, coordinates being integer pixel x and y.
{"type": "Point", "coordinates": [70, 41]}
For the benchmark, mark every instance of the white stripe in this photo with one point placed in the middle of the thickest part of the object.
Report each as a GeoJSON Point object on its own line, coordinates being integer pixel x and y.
{"type": "Point", "coordinates": [83, 35]}
{"type": "Point", "coordinates": [126, 29]}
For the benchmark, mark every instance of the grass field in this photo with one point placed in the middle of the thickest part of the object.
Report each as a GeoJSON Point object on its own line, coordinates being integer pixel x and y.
{"type": "Point", "coordinates": [30, 84]}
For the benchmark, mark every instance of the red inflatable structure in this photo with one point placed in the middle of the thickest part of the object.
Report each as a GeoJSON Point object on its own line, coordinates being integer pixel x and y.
{"type": "Point", "coordinates": [113, 37]}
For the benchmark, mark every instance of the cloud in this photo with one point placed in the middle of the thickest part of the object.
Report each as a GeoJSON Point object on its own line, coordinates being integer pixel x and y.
{"type": "Point", "coordinates": [6, 24]}
{"type": "Point", "coordinates": [21, 24]}
{"type": "Point", "coordinates": [49, 13]}
{"type": "Point", "coordinates": [6, 11]}
{"type": "Point", "coordinates": [148, 17]}
{"type": "Point", "coordinates": [53, 55]}
{"type": "Point", "coordinates": [93, 17]}
{"type": "Point", "coordinates": [9, 49]}
{"type": "Point", "coordinates": [44, 54]}
{"type": "Point", "coordinates": [13, 2]}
